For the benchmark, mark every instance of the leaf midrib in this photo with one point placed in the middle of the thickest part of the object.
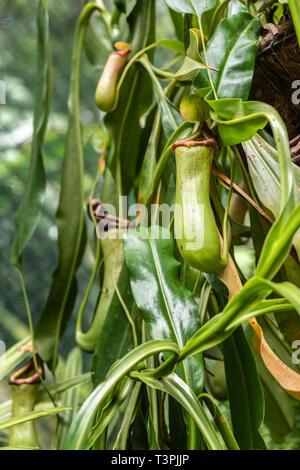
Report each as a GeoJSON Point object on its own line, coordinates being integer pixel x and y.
{"type": "Point", "coordinates": [159, 277]}
{"type": "Point", "coordinates": [231, 51]}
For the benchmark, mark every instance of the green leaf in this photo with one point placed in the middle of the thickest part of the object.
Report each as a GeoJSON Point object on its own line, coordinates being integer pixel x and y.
{"type": "Point", "coordinates": [98, 40]}
{"type": "Point", "coordinates": [32, 416]}
{"type": "Point", "coordinates": [295, 12]}
{"type": "Point", "coordinates": [114, 306]}
{"type": "Point", "coordinates": [193, 60]}
{"type": "Point", "coordinates": [178, 23]}
{"type": "Point", "coordinates": [285, 289]}
{"type": "Point", "coordinates": [244, 119]}
{"type": "Point", "coordinates": [78, 434]}
{"type": "Point", "coordinates": [231, 50]}
{"type": "Point", "coordinates": [278, 243]}
{"type": "Point", "coordinates": [180, 391]}
{"type": "Point", "coordinates": [195, 7]}
{"type": "Point", "coordinates": [265, 172]}
{"type": "Point", "coordinates": [170, 116]}
{"type": "Point", "coordinates": [29, 212]}
{"type": "Point", "coordinates": [59, 387]}
{"type": "Point", "coordinates": [235, 113]}
{"type": "Point", "coordinates": [181, 132]}
{"type": "Point", "coordinates": [241, 121]}
{"type": "Point", "coordinates": [245, 391]}
{"type": "Point", "coordinates": [111, 410]}
{"type": "Point", "coordinates": [70, 217]}
{"type": "Point", "coordinates": [149, 163]}
{"type": "Point", "coordinates": [220, 422]}
{"type": "Point", "coordinates": [172, 44]}
{"type": "Point", "coordinates": [168, 307]}
{"type": "Point", "coordinates": [111, 316]}
{"type": "Point", "coordinates": [279, 407]}
{"type": "Point", "coordinates": [265, 306]}
{"type": "Point", "coordinates": [18, 448]}
{"type": "Point", "coordinates": [135, 99]}
{"type": "Point", "coordinates": [71, 396]}
{"type": "Point", "coordinates": [126, 6]}
{"type": "Point", "coordinates": [215, 16]}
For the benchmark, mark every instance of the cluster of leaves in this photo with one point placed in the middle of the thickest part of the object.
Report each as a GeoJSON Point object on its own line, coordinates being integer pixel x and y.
{"type": "Point", "coordinates": [160, 327]}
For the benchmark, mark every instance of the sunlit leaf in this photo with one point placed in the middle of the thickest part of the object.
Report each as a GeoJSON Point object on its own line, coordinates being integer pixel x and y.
{"type": "Point", "coordinates": [231, 50]}
{"type": "Point", "coordinates": [180, 391]}
{"type": "Point", "coordinates": [168, 308]}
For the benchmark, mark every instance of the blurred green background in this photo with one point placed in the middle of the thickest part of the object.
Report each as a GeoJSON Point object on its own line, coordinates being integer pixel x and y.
{"type": "Point", "coordinates": [18, 64]}
{"type": "Point", "coordinates": [17, 71]}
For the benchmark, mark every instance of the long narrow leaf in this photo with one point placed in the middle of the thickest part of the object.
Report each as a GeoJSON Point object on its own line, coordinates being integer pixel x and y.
{"type": "Point", "coordinates": [70, 217]}
{"type": "Point", "coordinates": [178, 389]}
{"type": "Point", "coordinates": [78, 435]}
{"type": "Point", "coordinates": [32, 416]}
{"type": "Point", "coordinates": [168, 308]}
{"type": "Point", "coordinates": [29, 212]}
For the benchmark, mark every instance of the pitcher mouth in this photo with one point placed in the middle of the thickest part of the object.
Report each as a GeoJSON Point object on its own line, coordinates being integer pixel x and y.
{"type": "Point", "coordinates": [123, 49]}
{"type": "Point", "coordinates": [212, 142]}
{"type": "Point", "coordinates": [18, 377]}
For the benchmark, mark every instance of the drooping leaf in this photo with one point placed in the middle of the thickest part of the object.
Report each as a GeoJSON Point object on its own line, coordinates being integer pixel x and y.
{"type": "Point", "coordinates": [29, 212]}
{"type": "Point", "coordinates": [43, 398]}
{"type": "Point", "coordinates": [78, 435]}
{"type": "Point", "coordinates": [278, 243]}
{"type": "Point", "coordinates": [168, 308]}
{"type": "Point", "coordinates": [70, 217]}
{"type": "Point", "coordinates": [220, 421]}
{"type": "Point", "coordinates": [180, 391]}
{"type": "Point", "coordinates": [32, 416]}
{"type": "Point", "coordinates": [71, 396]}
{"type": "Point", "coordinates": [111, 410]}
{"type": "Point", "coordinates": [231, 50]}
{"type": "Point", "coordinates": [110, 315]}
